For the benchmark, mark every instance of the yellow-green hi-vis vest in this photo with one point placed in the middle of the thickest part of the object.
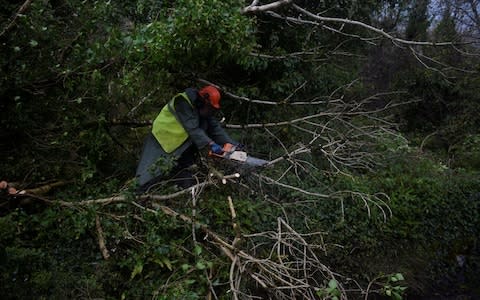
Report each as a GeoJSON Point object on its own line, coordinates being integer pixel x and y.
{"type": "Point", "coordinates": [166, 128]}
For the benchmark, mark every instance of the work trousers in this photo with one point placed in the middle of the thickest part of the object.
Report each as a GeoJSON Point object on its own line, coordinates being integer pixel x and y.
{"type": "Point", "coordinates": [181, 174]}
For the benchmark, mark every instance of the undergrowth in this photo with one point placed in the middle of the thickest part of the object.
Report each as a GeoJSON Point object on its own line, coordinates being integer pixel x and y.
{"type": "Point", "coordinates": [52, 252]}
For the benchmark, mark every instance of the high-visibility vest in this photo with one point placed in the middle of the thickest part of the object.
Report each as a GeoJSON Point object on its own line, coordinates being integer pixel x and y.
{"type": "Point", "coordinates": [167, 129]}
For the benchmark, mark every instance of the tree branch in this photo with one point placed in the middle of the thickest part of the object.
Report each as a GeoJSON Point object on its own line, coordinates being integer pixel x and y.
{"type": "Point", "coordinates": [101, 238]}
{"type": "Point", "coordinates": [290, 270]}
{"type": "Point", "coordinates": [369, 27]}
{"type": "Point", "coordinates": [254, 8]}
{"type": "Point", "coordinates": [20, 11]}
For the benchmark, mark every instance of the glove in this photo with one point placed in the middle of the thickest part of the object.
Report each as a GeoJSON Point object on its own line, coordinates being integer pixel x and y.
{"type": "Point", "coordinates": [216, 148]}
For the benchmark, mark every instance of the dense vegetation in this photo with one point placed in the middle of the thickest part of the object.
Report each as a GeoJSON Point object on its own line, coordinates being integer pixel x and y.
{"type": "Point", "coordinates": [375, 189]}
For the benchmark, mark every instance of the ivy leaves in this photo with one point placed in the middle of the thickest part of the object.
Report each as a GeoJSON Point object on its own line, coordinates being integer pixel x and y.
{"type": "Point", "coordinates": [196, 35]}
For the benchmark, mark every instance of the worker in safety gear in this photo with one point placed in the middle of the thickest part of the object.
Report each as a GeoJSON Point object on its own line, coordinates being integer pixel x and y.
{"type": "Point", "coordinates": [184, 126]}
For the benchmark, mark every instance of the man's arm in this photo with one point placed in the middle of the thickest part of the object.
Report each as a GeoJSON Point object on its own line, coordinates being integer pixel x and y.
{"type": "Point", "coordinates": [217, 133]}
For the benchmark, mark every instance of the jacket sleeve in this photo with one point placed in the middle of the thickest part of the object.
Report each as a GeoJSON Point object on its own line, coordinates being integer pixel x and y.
{"type": "Point", "coordinates": [188, 116]}
{"type": "Point", "coordinates": [217, 133]}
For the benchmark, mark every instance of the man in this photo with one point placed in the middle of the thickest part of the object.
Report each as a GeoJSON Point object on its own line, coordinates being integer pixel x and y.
{"type": "Point", "coordinates": [183, 126]}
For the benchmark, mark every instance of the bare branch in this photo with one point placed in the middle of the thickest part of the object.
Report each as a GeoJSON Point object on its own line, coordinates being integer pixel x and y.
{"type": "Point", "coordinates": [369, 27]}
{"type": "Point", "coordinates": [254, 7]}
{"type": "Point", "coordinates": [101, 238]}
{"type": "Point", "coordinates": [154, 197]}
{"type": "Point", "coordinates": [418, 55]}
{"type": "Point", "coordinates": [20, 11]}
{"type": "Point", "coordinates": [332, 114]}
{"type": "Point", "coordinates": [308, 22]}
{"type": "Point", "coordinates": [292, 269]}
{"type": "Point", "coordinates": [267, 8]}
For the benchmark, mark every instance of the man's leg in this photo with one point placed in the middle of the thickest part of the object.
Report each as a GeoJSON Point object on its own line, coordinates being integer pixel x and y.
{"type": "Point", "coordinates": [147, 174]}
{"type": "Point", "coordinates": [182, 173]}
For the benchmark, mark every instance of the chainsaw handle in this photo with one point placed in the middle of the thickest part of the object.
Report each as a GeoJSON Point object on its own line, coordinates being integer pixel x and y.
{"type": "Point", "coordinates": [227, 149]}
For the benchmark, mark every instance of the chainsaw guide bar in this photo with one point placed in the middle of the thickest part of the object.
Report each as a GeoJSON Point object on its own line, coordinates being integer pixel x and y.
{"type": "Point", "coordinates": [230, 153]}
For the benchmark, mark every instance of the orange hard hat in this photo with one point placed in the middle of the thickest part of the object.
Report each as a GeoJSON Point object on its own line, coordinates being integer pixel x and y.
{"type": "Point", "coordinates": [211, 95]}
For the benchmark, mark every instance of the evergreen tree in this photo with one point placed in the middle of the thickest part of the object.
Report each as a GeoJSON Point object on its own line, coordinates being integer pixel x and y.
{"type": "Point", "coordinates": [418, 21]}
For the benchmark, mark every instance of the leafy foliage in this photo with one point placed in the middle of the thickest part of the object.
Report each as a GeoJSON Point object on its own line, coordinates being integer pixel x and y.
{"type": "Point", "coordinates": [76, 76]}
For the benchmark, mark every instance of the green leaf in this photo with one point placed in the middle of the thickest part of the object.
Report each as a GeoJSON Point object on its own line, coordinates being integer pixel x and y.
{"type": "Point", "coordinates": [158, 262]}
{"type": "Point", "coordinates": [197, 250]}
{"type": "Point", "coordinates": [167, 263]}
{"type": "Point", "coordinates": [137, 270]}
{"type": "Point", "coordinates": [33, 43]}
{"type": "Point", "coordinates": [399, 276]}
{"type": "Point", "coordinates": [332, 284]}
{"type": "Point", "coordinates": [185, 267]}
{"type": "Point", "coordinates": [397, 296]}
{"type": "Point", "coordinates": [200, 265]}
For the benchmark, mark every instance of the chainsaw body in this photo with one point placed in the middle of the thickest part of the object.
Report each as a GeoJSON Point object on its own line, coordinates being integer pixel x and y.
{"type": "Point", "coordinates": [231, 153]}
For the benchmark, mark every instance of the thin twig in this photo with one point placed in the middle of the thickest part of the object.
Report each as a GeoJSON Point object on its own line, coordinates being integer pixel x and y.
{"type": "Point", "coordinates": [20, 11]}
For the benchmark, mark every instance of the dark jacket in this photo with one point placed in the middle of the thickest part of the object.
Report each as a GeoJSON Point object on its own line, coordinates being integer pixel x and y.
{"type": "Point", "coordinates": [201, 131]}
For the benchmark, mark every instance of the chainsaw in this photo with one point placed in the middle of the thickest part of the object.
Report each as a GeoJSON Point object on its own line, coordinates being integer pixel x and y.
{"type": "Point", "coordinates": [230, 152]}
